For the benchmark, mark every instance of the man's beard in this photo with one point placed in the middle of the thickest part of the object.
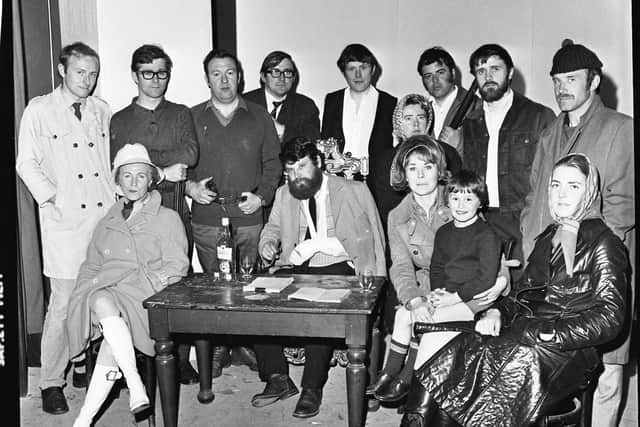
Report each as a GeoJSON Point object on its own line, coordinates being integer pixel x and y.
{"type": "Point", "coordinates": [493, 93]}
{"type": "Point", "coordinates": [304, 188]}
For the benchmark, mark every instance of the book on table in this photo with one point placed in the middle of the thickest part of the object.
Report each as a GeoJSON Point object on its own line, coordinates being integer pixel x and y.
{"type": "Point", "coordinates": [320, 295]}
{"type": "Point", "coordinates": [268, 284]}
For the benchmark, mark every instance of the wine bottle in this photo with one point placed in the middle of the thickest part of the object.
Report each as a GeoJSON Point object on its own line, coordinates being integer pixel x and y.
{"type": "Point", "coordinates": [225, 252]}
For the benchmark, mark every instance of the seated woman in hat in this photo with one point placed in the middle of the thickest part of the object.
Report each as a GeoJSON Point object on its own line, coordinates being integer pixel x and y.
{"type": "Point", "coordinates": [537, 347]}
{"type": "Point", "coordinates": [137, 249]}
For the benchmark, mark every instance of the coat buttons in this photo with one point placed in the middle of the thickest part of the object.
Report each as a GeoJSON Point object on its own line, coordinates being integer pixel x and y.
{"type": "Point", "coordinates": [80, 176]}
{"type": "Point", "coordinates": [91, 144]}
{"type": "Point", "coordinates": [415, 252]}
{"type": "Point", "coordinates": [95, 174]}
{"type": "Point", "coordinates": [83, 206]}
{"type": "Point", "coordinates": [55, 136]}
{"type": "Point", "coordinates": [75, 145]}
{"type": "Point", "coordinates": [94, 281]}
{"type": "Point", "coordinates": [99, 204]}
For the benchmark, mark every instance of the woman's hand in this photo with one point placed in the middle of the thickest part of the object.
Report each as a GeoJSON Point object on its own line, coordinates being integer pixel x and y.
{"type": "Point", "coordinates": [421, 311]}
{"type": "Point", "coordinates": [442, 298]}
{"type": "Point", "coordinates": [490, 323]}
{"type": "Point", "coordinates": [490, 295]}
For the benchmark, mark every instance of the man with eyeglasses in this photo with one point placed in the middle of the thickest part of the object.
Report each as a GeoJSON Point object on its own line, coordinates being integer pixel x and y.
{"type": "Point", "coordinates": [166, 130]}
{"type": "Point", "coordinates": [293, 113]}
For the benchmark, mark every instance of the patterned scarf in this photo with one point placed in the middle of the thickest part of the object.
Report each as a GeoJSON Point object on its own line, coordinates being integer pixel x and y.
{"type": "Point", "coordinates": [567, 232]}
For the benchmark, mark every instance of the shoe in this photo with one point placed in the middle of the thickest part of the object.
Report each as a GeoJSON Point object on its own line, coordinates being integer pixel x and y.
{"type": "Point", "coordinates": [53, 401]}
{"type": "Point", "coordinates": [309, 403]}
{"type": "Point", "coordinates": [382, 381]}
{"type": "Point", "coordinates": [188, 375]}
{"type": "Point", "coordinates": [244, 356]}
{"type": "Point", "coordinates": [279, 387]}
{"type": "Point", "coordinates": [79, 379]}
{"type": "Point", "coordinates": [221, 359]}
{"type": "Point", "coordinates": [392, 391]}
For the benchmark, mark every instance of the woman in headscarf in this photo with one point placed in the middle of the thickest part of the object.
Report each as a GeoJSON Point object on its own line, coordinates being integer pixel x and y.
{"type": "Point", "coordinates": [137, 249]}
{"type": "Point", "coordinates": [413, 115]}
{"type": "Point", "coordinates": [539, 346]}
{"type": "Point", "coordinates": [419, 167]}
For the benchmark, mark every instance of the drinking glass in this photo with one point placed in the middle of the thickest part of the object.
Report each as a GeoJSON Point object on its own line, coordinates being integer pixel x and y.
{"type": "Point", "coordinates": [366, 278]}
{"type": "Point", "coordinates": [246, 267]}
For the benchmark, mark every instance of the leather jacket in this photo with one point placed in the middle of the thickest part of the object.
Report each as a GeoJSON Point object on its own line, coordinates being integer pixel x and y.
{"type": "Point", "coordinates": [548, 347]}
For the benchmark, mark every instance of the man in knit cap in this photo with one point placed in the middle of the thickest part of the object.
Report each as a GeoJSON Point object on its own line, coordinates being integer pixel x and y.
{"type": "Point", "coordinates": [586, 126]}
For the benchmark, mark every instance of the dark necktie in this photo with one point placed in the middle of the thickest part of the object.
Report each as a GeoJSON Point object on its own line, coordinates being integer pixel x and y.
{"type": "Point", "coordinates": [312, 213]}
{"type": "Point", "coordinates": [276, 104]}
{"type": "Point", "coordinates": [126, 209]}
{"type": "Point", "coordinates": [76, 110]}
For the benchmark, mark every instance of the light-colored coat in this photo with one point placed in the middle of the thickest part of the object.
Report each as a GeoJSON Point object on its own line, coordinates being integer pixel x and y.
{"type": "Point", "coordinates": [59, 156]}
{"type": "Point", "coordinates": [356, 219]}
{"type": "Point", "coordinates": [133, 260]}
{"type": "Point", "coordinates": [606, 137]}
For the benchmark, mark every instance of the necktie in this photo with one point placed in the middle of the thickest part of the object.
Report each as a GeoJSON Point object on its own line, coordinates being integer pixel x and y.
{"type": "Point", "coordinates": [276, 104]}
{"type": "Point", "coordinates": [126, 210]}
{"type": "Point", "coordinates": [76, 110]}
{"type": "Point", "coordinates": [312, 213]}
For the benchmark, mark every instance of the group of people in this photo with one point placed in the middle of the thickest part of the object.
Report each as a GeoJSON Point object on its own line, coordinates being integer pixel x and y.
{"type": "Point", "coordinates": [508, 216]}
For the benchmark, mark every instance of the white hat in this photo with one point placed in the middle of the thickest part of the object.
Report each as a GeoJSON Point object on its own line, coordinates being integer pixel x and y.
{"type": "Point", "coordinates": [131, 153]}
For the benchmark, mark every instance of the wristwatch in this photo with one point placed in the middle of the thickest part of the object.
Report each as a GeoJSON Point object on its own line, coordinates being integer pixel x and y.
{"type": "Point", "coordinates": [409, 306]}
{"type": "Point", "coordinates": [262, 203]}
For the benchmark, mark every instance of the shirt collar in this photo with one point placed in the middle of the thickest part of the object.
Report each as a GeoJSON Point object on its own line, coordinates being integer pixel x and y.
{"type": "Point", "coordinates": [68, 99]}
{"type": "Point", "coordinates": [448, 99]}
{"type": "Point", "coordinates": [242, 104]}
{"type": "Point", "coordinates": [270, 99]}
{"type": "Point", "coordinates": [367, 94]}
{"type": "Point", "coordinates": [160, 106]}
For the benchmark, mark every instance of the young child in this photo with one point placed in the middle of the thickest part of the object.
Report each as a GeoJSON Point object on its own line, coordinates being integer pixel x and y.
{"type": "Point", "coordinates": [464, 263]}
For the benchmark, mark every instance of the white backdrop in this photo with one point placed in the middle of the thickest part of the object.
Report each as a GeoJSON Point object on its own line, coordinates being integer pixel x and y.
{"type": "Point", "coordinates": [397, 31]}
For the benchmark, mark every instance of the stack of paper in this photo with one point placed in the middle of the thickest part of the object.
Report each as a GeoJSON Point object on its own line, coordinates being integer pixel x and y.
{"type": "Point", "coordinates": [268, 284]}
{"type": "Point", "coordinates": [320, 294]}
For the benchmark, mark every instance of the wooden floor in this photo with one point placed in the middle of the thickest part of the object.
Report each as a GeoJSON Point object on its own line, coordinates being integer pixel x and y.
{"type": "Point", "coordinates": [232, 406]}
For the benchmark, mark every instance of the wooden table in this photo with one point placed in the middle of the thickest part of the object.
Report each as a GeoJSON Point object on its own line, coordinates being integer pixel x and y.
{"type": "Point", "coordinates": [200, 305]}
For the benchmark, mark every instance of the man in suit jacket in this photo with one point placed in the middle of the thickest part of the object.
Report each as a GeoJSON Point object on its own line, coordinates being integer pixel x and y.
{"type": "Point", "coordinates": [360, 118]}
{"type": "Point", "coordinates": [323, 224]}
{"type": "Point", "coordinates": [293, 113]}
{"type": "Point", "coordinates": [437, 69]}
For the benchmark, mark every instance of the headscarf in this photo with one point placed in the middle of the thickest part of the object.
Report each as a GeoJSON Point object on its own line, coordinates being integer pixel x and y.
{"type": "Point", "coordinates": [397, 113]}
{"type": "Point", "coordinates": [567, 231]}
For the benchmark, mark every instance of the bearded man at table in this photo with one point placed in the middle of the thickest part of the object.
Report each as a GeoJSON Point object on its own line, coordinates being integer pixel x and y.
{"type": "Point", "coordinates": [319, 224]}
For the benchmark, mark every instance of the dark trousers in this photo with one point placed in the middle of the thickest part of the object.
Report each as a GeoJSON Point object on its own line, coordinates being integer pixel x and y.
{"type": "Point", "coordinates": [317, 352]}
{"type": "Point", "coordinates": [507, 226]}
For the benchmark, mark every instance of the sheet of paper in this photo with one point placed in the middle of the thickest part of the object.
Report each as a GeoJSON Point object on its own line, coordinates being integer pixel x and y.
{"type": "Point", "coordinates": [268, 284]}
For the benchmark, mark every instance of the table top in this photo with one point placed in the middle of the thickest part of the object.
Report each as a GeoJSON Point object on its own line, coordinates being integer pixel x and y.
{"type": "Point", "coordinates": [201, 291]}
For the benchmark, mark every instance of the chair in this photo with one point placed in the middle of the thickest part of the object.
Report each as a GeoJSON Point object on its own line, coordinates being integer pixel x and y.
{"type": "Point", "coordinates": [147, 372]}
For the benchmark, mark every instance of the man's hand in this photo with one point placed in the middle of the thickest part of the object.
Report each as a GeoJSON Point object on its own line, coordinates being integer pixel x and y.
{"type": "Point", "coordinates": [250, 205]}
{"type": "Point", "coordinates": [199, 192]}
{"type": "Point", "coordinates": [270, 251]}
{"type": "Point", "coordinates": [450, 136]}
{"type": "Point", "coordinates": [490, 323]}
{"type": "Point", "coordinates": [442, 298]}
{"type": "Point", "coordinates": [175, 173]}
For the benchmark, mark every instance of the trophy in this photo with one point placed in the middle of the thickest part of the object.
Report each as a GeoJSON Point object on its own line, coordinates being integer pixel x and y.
{"type": "Point", "coordinates": [336, 162]}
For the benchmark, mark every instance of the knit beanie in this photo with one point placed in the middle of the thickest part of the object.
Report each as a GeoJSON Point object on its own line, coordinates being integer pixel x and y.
{"type": "Point", "coordinates": [571, 57]}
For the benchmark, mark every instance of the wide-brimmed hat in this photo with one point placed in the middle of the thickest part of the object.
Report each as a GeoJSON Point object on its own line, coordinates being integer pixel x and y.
{"type": "Point", "coordinates": [129, 154]}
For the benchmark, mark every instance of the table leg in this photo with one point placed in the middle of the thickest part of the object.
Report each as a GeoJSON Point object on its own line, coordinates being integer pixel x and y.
{"type": "Point", "coordinates": [167, 381]}
{"type": "Point", "coordinates": [356, 383]}
{"type": "Point", "coordinates": [203, 355]}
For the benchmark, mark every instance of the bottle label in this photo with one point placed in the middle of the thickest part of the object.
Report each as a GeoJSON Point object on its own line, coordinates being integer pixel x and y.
{"type": "Point", "coordinates": [224, 253]}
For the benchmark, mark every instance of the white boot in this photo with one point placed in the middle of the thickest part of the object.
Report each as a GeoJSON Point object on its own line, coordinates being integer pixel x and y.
{"type": "Point", "coordinates": [116, 332]}
{"type": "Point", "coordinates": [98, 390]}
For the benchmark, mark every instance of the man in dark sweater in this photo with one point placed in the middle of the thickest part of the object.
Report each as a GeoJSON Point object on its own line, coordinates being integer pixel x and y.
{"type": "Point", "coordinates": [239, 150]}
{"type": "Point", "coordinates": [166, 130]}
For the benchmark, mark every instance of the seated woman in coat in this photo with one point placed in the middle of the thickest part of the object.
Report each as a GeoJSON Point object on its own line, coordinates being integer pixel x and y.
{"type": "Point", "coordinates": [540, 345]}
{"type": "Point", "coordinates": [419, 166]}
{"type": "Point", "coordinates": [137, 249]}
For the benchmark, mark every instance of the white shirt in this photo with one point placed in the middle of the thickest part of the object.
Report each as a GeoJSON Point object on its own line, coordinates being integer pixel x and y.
{"type": "Point", "coordinates": [357, 123]}
{"type": "Point", "coordinates": [494, 114]}
{"type": "Point", "coordinates": [270, 99]}
{"type": "Point", "coordinates": [441, 109]}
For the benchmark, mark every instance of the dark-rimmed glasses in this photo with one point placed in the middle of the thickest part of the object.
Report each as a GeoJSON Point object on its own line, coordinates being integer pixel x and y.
{"type": "Point", "coordinates": [275, 73]}
{"type": "Point", "coordinates": [149, 75]}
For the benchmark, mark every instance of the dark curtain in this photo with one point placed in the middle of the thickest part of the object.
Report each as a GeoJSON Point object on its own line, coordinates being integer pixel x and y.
{"type": "Point", "coordinates": [36, 41]}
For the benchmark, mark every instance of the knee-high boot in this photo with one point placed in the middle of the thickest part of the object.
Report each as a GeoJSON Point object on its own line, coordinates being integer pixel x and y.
{"type": "Point", "coordinates": [99, 387]}
{"type": "Point", "coordinates": [116, 333]}
{"type": "Point", "coordinates": [419, 406]}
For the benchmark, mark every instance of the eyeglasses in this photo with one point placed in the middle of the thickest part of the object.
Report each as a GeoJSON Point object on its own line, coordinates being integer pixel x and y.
{"type": "Point", "coordinates": [149, 75]}
{"type": "Point", "coordinates": [275, 73]}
